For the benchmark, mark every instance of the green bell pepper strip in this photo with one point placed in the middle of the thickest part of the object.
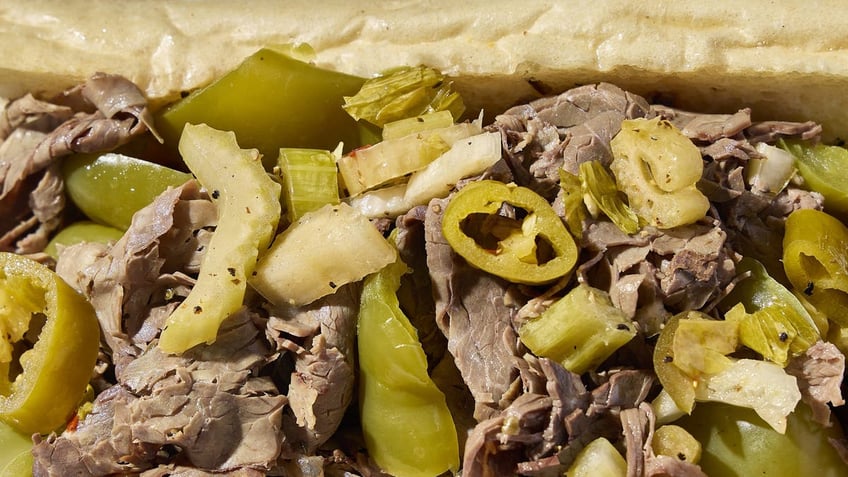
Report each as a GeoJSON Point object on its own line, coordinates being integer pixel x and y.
{"type": "Point", "coordinates": [406, 423]}
{"type": "Point", "coordinates": [515, 256]}
{"type": "Point", "coordinates": [51, 376]}
{"type": "Point", "coordinates": [815, 257]}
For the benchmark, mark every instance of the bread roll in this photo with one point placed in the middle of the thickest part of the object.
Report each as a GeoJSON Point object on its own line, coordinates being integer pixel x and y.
{"type": "Point", "coordinates": [786, 60]}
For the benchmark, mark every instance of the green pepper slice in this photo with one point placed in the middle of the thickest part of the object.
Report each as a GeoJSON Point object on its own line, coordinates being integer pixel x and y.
{"type": "Point", "coordinates": [49, 379]}
{"type": "Point", "coordinates": [271, 100]}
{"type": "Point", "coordinates": [110, 188]}
{"type": "Point", "coordinates": [533, 249]}
{"type": "Point", "coordinates": [815, 257]}
{"type": "Point", "coordinates": [406, 423]}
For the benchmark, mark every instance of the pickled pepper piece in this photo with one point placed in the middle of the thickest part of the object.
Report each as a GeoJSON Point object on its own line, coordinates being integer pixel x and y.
{"type": "Point", "coordinates": [406, 422]}
{"type": "Point", "coordinates": [271, 100]}
{"type": "Point", "coordinates": [815, 257]}
{"type": "Point", "coordinates": [533, 249]}
{"type": "Point", "coordinates": [42, 386]}
{"type": "Point", "coordinates": [249, 209]}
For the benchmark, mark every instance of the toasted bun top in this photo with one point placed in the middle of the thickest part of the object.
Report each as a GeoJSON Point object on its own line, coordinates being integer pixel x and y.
{"type": "Point", "coordinates": [787, 60]}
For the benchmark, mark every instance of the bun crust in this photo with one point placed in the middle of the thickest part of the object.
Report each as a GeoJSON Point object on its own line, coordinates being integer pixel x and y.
{"type": "Point", "coordinates": [786, 60]}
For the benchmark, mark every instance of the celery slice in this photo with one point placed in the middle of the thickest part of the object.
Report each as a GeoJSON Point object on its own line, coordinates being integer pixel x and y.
{"type": "Point", "coordinates": [600, 186]}
{"type": "Point", "coordinates": [402, 93]}
{"type": "Point", "coordinates": [323, 250]}
{"type": "Point", "coordinates": [249, 210]}
{"type": "Point", "coordinates": [417, 124]}
{"type": "Point", "coordinates": [310, 180]}
{"type": "Point", "coordinates": [572, 202]}
{"type": "Point", "coordinates": [580, 330]}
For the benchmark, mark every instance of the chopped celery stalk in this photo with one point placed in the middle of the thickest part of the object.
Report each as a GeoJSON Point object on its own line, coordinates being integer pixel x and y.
{"type": "Point", "coordinates": [596, 182]}
{"type": "Point", "coordinates": [598, 459]}
{"type": "Point", "coordinates": [572, 202]}
{"type": "Point", "coordinates": [417, 124]}
{"type": "Point", "coordinates": [403, 93]}
{"type": "Point", "coordinates": [759, 385]}
{"type": "Point", "coordinates": [701, 344]}
{"type": "Point", "coordinates": [665, 409]}
{"type": "Point", "coordinates": [772, 321]}
{"type": "Point", "coordinates": [773, 171]}
{"type": "Point", "coordinates": [580, 330]}
{"type": "Point", "coordinates": [323, 250]}
{"type": "Point", "coordinates": [657, 167]}
{"type": "Point", "coordinates": [392, 159]}
{"type": "Point", "coordinates": [310, 180]}
{"type": "Point", "coordinates": [674, 441]}
{"type": "Point", "coordinates": [466, 157]}
{"type": "Point", "coordinates": [248, 211]}
{"type": "Point", "coordinates": [271, 100]}
{"type": "Point", "coordinates": [406, 422]}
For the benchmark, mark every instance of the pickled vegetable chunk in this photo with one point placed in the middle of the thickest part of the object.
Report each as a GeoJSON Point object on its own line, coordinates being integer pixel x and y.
{"type": "Point", "coordinates": [407, 426]}
{"type": "Point", "coordinates": [249, 209]}
{"type": "Point", "coordinates": [271, 100]}
{"type": "Point", "coordinates": [110, 188]}
{"type": "Point", "coordinates": [322, 251]}
{"type": "Point", "coordinates": [657, 167]}
{"type": "Point", "coordinates": [42, 391]}
{"type": "Point", "coordinates": [580, 330]}
{"type": "Point", "coordinates": [815, 257]}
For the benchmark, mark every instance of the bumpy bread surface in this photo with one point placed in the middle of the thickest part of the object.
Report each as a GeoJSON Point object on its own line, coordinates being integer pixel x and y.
{"type": "Point", "coordinates": [786, 60]}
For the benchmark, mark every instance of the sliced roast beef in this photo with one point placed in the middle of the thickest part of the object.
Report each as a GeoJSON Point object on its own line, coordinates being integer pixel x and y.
{"type": "Point", "coordinates": [655, 273]}
{"type": "Point", "coordinates": [472, 312]}
{"type": "Point", "coordinates": [106, 112]}
{"type": "Point", "coordinates": [321, 337]}
{"type": "Point", "coordinates": [638, 427]}
{"type": "Point", "coordinates": [206, 408]}
{"type": "Point", "coordinates": [127, 282]}
{"type": "Point", "coordinates": [820, 371]}
{"type": "Point", "coordinates": [564, 131]}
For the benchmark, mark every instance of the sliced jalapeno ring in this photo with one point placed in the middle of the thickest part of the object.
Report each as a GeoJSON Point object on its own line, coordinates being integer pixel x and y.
{"type": "Point", "coordinates": [533, 249]}
{"type": "Point", "coordinates": [51, 376]}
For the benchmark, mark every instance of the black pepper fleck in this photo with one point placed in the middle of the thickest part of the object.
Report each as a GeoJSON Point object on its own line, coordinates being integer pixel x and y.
{"type": "Point", "coordinates": [198, 310]}
{"type": "Point", "coordinates": [231, 271]}
{"type": "Point", "coordinates": [623, 327]}
{"type": "Point", "coordinates": [668, 359]}
{"type": "Point", "coordinates": [332, 285]}
{"type": "Point", "coordinates": [216, 194]}
{"type": "Point", "coordinates": [809, 290]}
{"type": "Point", "coordinates": [681, 456]}
{"type": "Point", "coordinates": [783, 337]}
